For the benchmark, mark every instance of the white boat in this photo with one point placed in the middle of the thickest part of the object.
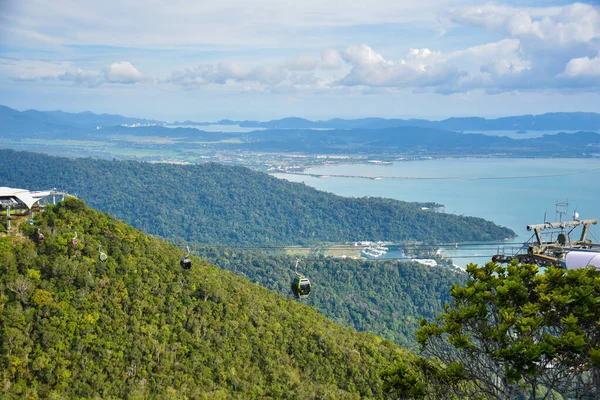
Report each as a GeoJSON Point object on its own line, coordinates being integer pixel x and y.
{"type": "Point", "coordinates": [373, 252]}
{"type": "Point", "coordinates": [428, 262]}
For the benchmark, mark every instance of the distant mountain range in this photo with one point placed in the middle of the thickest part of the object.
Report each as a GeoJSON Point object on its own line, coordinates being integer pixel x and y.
{"type": "Point", "coordinates": [412, 140]}
{"type": "Point", "coordinates": [13, 120]}
{"type": "Point", "coordinates": [371, 136]}
{"type": "Point", "coordinates": [572, 121]}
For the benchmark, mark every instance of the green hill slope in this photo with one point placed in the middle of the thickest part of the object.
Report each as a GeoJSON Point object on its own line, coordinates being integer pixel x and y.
{"type": "Point", "coordinates": [387, 298]}
{"type": "Point", "coordinates": [217, 204]}
{"type": "Point", "coordinates": [139, 326]}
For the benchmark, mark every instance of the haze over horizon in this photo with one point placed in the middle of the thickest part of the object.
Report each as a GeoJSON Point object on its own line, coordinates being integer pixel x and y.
{"type": "Point", "coordinates": [262, 60]}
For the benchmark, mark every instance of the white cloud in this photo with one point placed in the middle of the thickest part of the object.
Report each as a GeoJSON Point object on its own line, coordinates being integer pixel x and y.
{"type": "Point", "coordinates": [575, 23]}
{"type": "Point", "coordinates": [305, 62]}
{"type": "Point", "coordinates": [493, 16]}
{"type": "Point", "coordinates": [36, 70]}
{"type": "Point", "coordinates": [306, 79]}
{"type": "Point", "coordinates": [583, 67]}
{"type": "Point", "coordinates": [543, 46]}
{"type": "Point", "coordinates": [298, 73]}
{"type": "Point", "coordinates": [266, 75]}
{"type": "Point", "coordinates": [498, 58]}
{"type": "Point", "coordinates": [561, 26]}
{"type": "Point", "coordinates": [490, 17]}
{"type": "Point", "coordinates": [81, 77]}
{"type": "Point", "coordinates": [535, 48]}
{"type": "Point", "coordinates": [419, 69]}
{"type": "Point", "coordinates": [225, 72]}
{"type": "Point", "coordinates": [502, 48]}
{"type": "Point", "coordinates": [362, 55]}
{"type": "Point", "coordinates": [330, 59]}
{"type": "Point", "coordinates": [31, 70]}
{"type": "Point", "coordinates": [188, 22]}
{"type": "Point", "coordinates": [122, 72]}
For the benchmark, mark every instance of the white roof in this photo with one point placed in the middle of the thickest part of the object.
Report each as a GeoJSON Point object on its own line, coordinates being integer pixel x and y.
{"type": "Point", "coordinates": [582, 259]}
{"type": "Point", "coordinates": [28, 198]}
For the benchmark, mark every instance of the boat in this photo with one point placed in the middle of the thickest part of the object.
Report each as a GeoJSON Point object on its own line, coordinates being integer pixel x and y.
{"type": "Point", "coordinates": [373, 252]}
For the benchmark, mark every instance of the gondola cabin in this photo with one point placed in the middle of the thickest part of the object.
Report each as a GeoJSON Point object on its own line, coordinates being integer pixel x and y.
{"type": "Point", "coordinates": [300, 287]}
{"type": "Point", "coordinates": [186, 263]}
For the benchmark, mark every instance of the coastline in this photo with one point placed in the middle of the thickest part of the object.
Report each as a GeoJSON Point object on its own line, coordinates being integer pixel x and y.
{"type": "Point", "coordinates": [513, 203]}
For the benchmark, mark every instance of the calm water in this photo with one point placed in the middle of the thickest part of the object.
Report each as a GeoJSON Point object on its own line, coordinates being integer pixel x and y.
{"type": "Point", "coordinates": [511, 192]}
{"type": "Point", "coordinates": [526, 135]}
{"type": "Point", "coordinates": [218, 128]}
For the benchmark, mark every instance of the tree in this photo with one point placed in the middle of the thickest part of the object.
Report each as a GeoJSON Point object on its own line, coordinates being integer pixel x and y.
{"type": "Point", "coordinates": [570, 300]}
{"type": "Point", "coordinates": [137, 325]}
{"type": "Point", "coordinates": [516, 332]}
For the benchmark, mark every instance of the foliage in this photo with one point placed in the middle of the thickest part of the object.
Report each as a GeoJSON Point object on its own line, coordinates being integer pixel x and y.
{"type": "Point", "coordinates": [139, 326]}
{"type": "Point", "coordinates": [570, 301]}
{"type": "Point", "coordinates": [422, 378]}
{"type": "Point", "coordinates": [218, 204]}
{"type": "Point", "coordinates": [383, 297]}
{"type": "Point", "coordinates": [513, 331]}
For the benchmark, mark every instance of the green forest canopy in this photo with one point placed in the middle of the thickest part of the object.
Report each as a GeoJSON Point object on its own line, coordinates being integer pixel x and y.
{"type": "Point", "coordinates": [137, 325]}
{"type": "Point", "coordinates": [387, 298]}
{"type": "Point", "coordinates": [218, 204]}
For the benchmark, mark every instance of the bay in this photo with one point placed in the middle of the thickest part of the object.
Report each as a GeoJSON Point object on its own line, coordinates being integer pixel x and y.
{"type": "Point", "coordinates": [513, 192]}
{"type": "Point", "coordinates": [516, 134]}
{"type": "Point", "coordinates": [218, 128]}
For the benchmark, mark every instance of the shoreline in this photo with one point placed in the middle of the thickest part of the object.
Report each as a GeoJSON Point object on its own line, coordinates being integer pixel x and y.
{"type": "Point", "coordinates": [324, 175]}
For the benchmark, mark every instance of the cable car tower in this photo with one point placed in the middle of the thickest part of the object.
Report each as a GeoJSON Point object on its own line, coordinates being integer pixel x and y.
{"type": "Point", "coordinates": [551, 241]}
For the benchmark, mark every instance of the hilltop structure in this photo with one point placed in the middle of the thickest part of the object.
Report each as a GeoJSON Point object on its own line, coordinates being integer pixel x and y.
{"type": "Point", "coordinates": [20, 198]}
{"type": "Point", "coordinates": [23, 201]}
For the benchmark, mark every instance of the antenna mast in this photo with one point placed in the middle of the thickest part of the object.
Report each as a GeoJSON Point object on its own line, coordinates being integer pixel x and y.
{"type": "Point", "coordinates": [561, 209]}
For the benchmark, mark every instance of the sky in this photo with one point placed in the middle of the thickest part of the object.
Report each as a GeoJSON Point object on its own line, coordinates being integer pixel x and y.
{"type": "Point", "coordinates": [316, 59]}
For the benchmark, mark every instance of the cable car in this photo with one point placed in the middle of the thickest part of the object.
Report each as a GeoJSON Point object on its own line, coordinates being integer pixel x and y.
{"type": "Point", "coordinates": [301, 287]}
{"type": "Point", "coordinates": [185, 262]}
{"type": "Point", "coordinates": [300, 284]}
{"type": "Point", "coordinates": [40, 236]}
{"type": "Point", "coordinates": [74, 241]}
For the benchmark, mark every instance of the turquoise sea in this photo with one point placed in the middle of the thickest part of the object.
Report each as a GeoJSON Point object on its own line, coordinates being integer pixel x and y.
{"type": "Point", "coordinates": [511, 192]}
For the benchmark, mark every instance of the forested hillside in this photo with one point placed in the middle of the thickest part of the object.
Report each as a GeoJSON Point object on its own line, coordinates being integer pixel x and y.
{"type": "Point", "coordinates": [418, 140]}
{"type": "Point", "coordinates": [548, 121]}
{"type": "Point", "coordinates": [33, 122]}
{"type": "Point", "coordinates": [137, 325]}
{"type": "Point", "coordinates": [387, 298]}
{"type": "Point", "coordinates": [217, 204]}
{"type": "Point", "coordinates": [14, 121]}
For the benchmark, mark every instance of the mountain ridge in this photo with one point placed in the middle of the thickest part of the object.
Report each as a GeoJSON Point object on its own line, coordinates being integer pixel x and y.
{"type": "Point", "coordinates": [12, 119]}
{"type": "Point", "coordinates": [218, 204]}
{"type": "Point", "coordinates": [550, 121]}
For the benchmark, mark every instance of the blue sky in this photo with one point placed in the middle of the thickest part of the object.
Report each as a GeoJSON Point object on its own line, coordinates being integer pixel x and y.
{"type": "Point", "coordinates": [265, 59]}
